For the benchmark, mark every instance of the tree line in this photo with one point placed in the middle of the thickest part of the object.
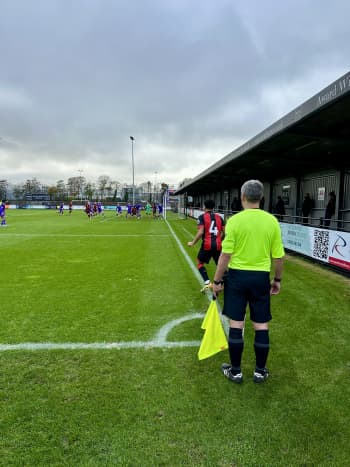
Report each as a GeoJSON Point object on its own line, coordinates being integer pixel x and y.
{"type": "Point", "coordinates": [104, 189]}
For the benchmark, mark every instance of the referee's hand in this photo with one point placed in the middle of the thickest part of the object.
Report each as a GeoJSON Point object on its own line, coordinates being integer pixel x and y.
{"type": "Point", "coordinates": [217, 289]}
{"type": "Point", "coordinates": [275, 288]}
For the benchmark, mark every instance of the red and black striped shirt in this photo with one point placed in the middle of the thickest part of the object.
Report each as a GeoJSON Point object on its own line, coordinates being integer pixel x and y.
{"type": "Point", "coordinates": [213, 225]}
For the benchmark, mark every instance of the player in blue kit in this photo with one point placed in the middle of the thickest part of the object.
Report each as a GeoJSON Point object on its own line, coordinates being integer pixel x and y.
{"type": "Point", "coordinates": [100, 209]}
{"type": "Point", "coordinates": [160, 211]}
{"type": "Point", "coordinates": [118, 210]}
{"type": "Point", "coordinates": [3, 214]}
{"type": "Point", "coordinates": [128, 210]}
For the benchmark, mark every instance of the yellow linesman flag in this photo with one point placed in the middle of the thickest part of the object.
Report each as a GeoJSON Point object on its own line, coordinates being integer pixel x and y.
{"type": "Point", "coordinates": [214, 339]}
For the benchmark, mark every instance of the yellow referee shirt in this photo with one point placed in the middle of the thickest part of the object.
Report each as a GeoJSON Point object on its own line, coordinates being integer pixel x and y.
{"type": "Point", "coordinates": [252, 237]}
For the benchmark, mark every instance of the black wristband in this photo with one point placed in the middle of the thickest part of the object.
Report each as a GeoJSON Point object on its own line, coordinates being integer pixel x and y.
{"type": "Point", "coordinates": [218, 282]}
{"type": "Point", "coordinates": [276, 280]}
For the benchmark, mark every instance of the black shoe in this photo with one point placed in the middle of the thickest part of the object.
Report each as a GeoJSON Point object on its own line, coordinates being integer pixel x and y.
{"type": "Point", "coordinates": [227, 371]}
{"type": "Point", "coordinates": [261, 376]}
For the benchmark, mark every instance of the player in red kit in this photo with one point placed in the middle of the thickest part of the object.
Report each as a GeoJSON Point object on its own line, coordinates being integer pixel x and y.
{"type": "Point", "coordinates": [211, 229]}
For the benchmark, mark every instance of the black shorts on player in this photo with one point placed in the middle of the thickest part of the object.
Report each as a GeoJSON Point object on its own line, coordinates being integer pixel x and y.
{"type": "Point", "coordinates": [204, 256]}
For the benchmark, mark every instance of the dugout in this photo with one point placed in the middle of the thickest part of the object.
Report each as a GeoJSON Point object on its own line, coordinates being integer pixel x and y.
{"type": "Point", "coordinates": [306, 151]}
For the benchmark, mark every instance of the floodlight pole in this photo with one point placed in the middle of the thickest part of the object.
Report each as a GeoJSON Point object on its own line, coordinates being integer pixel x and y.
{"type": "Point", "coordinates": [133, 169]}
{"type": "Point", "coordinates": [155, 187]}
{"type": "Point", "coordinates": [80, 184]}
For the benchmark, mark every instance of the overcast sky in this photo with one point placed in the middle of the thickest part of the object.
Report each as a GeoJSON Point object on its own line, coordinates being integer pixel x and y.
{"type": "Point", "coordinates": [190, 80]}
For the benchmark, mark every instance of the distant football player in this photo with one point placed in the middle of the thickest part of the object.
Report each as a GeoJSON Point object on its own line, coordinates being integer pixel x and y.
{"type": "Point", "coordinates": [128, 210]}
{"type": "Point", "coordinates": [94, 208]}
{"type": "Point", "coordinates": [61, 208]}
{"type": "Point", "coordinates": [118, 210]}
{"type": "Point", "coordinates": [100, 209]}
{"type": "Point", "coordinates": [148, 209]}
{"type": "Point", "coordinates": [3, 214]}
{"type": "Point", "coordinates": [88, 210]}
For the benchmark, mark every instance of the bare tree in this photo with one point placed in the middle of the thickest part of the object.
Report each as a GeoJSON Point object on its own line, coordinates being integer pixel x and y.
{"type": "Point", "coordinates": [32, 186]}
{"type": "Point", "coordinates": [18, 191]}
{"type": "Point", "coordinates": [61, 189]}
{"type": "Point", "coordinates": [3, 189]}
{"type": "Point", "coordinates": [102, 182]}
{"type": "Point", "coordinates": [89, 190]}
{"type": "Point", "coordinates": [75, 185]}
{"type": "Point", "coordinates": [52, 191]}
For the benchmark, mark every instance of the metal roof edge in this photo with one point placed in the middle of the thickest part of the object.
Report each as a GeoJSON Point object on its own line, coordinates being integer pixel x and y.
{"type": "Point", "coordinates": [323, 98]}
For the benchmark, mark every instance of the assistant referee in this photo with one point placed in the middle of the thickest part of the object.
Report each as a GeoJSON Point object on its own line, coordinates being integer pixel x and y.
{"type": "Point", "coordinates": [252, 241]}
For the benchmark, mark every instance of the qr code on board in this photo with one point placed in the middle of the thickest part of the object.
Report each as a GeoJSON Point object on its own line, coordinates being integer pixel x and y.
{"type": "Point", "coordinates": [321, 244]}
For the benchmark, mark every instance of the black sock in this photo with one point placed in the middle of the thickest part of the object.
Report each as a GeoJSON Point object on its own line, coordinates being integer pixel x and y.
{"type": "Point", "coordinates": [203, 273]}
{"type": "Point", "coordinates": [235, 347]}
{"type": "Point", "coordinates": [261, 347]}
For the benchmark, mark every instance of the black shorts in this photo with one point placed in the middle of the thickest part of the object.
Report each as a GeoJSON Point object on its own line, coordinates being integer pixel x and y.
{"type": "Point", "coordinates": [247, 287]}
{"type": "Point", "coordinates": [204, 256]}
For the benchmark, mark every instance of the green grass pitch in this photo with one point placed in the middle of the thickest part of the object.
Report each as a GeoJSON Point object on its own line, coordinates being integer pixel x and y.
{"type": "Point", "coordinates": [67, 280]}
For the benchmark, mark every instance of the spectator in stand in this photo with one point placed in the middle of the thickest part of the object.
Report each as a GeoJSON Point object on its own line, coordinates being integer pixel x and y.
{"type": "Point", "coordinates": [236, 205]}
{"type": "Point", "coordinates": [262, 203]}
{"type": "Point", "coordinates": [306, 208]}
{"type": "Point", "coordinates": [279, 208]}
{"type": "Point", "coordinates": [330, 210]}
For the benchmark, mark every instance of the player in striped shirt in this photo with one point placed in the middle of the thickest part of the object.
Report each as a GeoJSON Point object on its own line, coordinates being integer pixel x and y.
{"type": "Point", "coordinates": [211, 229]}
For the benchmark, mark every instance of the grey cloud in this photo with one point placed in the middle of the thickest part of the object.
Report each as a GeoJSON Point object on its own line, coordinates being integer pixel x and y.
{"type": "Point", "coordinates": [190, 80]}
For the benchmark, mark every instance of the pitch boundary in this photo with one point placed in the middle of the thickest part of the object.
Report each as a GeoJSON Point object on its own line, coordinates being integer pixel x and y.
{"type": "Point", "coordinates": [159, 341]}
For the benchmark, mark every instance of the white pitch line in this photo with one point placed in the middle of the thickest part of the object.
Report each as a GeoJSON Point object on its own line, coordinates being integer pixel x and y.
{"type": "Point", "coordinates": [190, 234]}
{"type": "Point", "coordinates": [164, 331]}
{"type": "Point", "coordinates": [187, 258]}
{"type": "Point", "coordinates": [32, 346]}
{"type": "Point", "coordinates": [158, 342]}
{"type": "Point", "coordinates": [224, 319]}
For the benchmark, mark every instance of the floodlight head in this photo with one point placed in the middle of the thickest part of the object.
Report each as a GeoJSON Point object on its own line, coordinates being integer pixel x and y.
{"type": "Point", "coordinates": [132, 138]}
